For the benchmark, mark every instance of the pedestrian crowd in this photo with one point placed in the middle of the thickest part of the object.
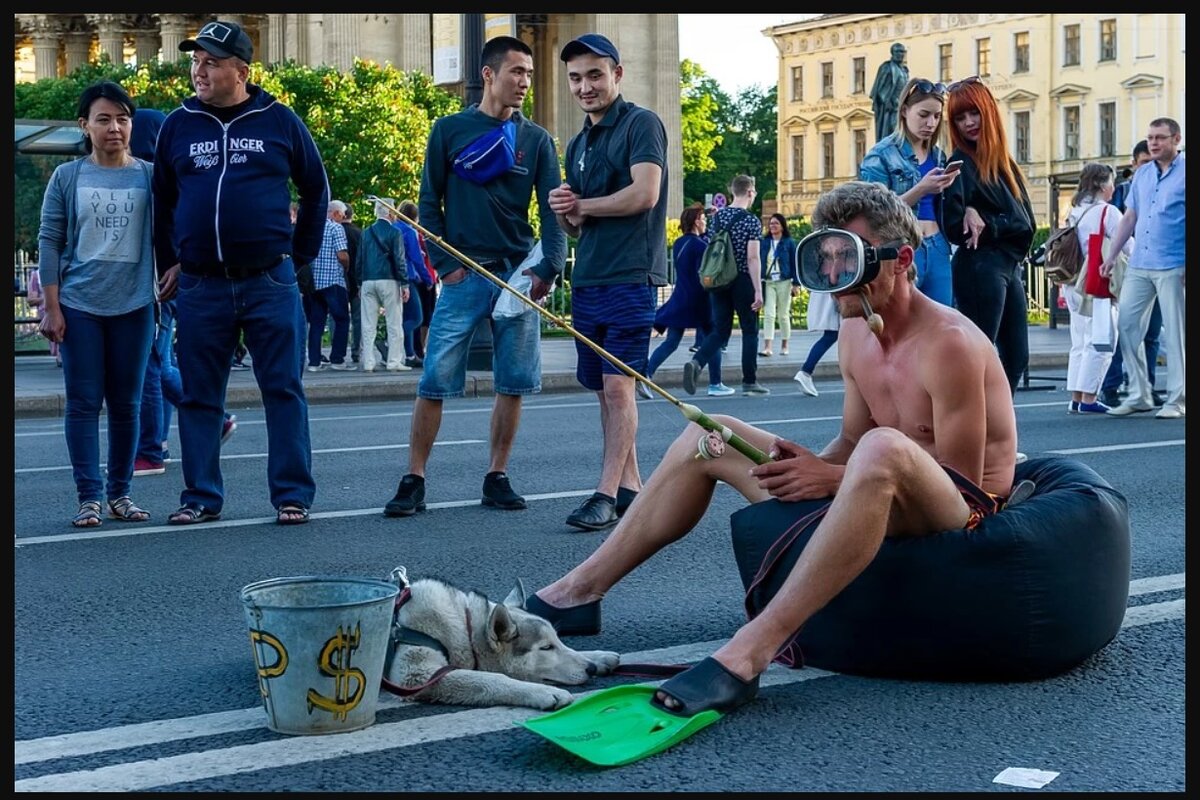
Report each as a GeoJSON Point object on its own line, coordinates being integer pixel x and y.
{"type": "Point", "coordinates": [175, 251]}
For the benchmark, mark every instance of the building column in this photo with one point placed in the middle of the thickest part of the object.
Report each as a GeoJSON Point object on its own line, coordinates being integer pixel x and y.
{"type": "Point", "coordinates": [78, 45]}
{"type": "Point", "coordinates": [341, 40]}
{"type": "Point", "coordinates": [271, 36]}
{"type": "Point", "coordinates": [145, 46]}
{"type": "Point", "coordinates": [173, 28]}
{"type": "Point", "coordinates": [45, 32]}
{"type": "Point", "coordinates": [110, 31]}
{"type": "Point", "coordinates": [416, 43]}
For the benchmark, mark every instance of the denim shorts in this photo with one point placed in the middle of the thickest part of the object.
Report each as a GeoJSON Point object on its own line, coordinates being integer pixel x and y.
{"type": "Point", "coordinates": [516, 341]}
{"type": "Point", "coordinates": [617, 317]}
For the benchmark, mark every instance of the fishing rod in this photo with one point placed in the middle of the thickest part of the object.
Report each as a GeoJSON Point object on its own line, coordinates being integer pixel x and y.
{"type": "Point", "coordinates": [710, 446]}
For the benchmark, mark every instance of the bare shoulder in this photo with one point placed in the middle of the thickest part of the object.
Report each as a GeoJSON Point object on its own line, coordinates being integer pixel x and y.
{"type": "Point", "coordinates": [952, 339]}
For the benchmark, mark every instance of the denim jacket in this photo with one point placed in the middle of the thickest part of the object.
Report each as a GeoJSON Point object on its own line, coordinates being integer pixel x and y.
{"type": "Point", "coordinates": [892, 162]}
{"type": "Point", "coordinates": [785, 251]}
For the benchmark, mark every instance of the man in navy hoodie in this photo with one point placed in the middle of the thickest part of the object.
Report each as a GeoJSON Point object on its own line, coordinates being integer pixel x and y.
{"type": "Point", "coordinates": [224, 240]}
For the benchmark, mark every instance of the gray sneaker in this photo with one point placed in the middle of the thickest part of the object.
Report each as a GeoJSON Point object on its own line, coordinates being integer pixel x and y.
{"type": "Point", "coordinates": [754, 388]}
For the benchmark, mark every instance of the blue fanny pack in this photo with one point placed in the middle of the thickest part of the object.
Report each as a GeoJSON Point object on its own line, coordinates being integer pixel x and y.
{"type": "Point", "coordinates": [490, 155]}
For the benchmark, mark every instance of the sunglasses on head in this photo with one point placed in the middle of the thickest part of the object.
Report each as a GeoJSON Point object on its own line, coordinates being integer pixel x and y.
{"type": "Point", "coordinates": [927, 87]}
{"type": "Point", "coordinates": [963, 82]}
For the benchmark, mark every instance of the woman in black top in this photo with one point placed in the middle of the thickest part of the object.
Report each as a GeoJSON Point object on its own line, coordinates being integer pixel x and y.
{"type": "Point", "coordinates": [987, 213]}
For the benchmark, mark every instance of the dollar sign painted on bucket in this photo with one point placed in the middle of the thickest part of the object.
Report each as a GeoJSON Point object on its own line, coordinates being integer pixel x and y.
{"type": "Point", "coordinates": [335, 662]}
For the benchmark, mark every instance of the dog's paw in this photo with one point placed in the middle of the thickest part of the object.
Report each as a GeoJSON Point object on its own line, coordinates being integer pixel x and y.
{"type": "Point", "coordinates": [551, 698]}
{"type": "Point", "coordinates": [604, 661]}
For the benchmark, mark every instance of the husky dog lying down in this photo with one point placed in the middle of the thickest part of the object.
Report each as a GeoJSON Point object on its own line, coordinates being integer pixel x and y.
{"type": "Point", "coordinates": [497, 653]}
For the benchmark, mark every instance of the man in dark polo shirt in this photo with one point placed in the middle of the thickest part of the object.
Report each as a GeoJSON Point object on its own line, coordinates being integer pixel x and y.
{"type": "Point", "coordinates": [615, 202]}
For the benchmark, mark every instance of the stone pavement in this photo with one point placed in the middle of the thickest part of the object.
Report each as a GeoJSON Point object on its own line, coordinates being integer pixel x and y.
{"type": "Point", "coordinates": [38, 384]}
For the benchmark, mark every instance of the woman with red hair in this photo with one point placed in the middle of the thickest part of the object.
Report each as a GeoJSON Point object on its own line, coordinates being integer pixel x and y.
{"type": "Point", "coordinates": [987, 213]}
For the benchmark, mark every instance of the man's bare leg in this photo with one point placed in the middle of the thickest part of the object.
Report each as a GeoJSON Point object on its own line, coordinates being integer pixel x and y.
{"type": "Point", "coordinates": [618, 423]}
{"type": "Point", "coordinates": [673, 500]}
{"type": "Point", "coordinates": [426, 421]}
{"type": "Point", "coordinates": [506, 417]}
{"type": "Point", "coordinates": [891, 487]}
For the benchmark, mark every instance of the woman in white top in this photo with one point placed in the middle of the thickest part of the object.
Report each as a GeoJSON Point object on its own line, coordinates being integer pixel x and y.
{"type": "Point", "coordinates": [1086, 365]}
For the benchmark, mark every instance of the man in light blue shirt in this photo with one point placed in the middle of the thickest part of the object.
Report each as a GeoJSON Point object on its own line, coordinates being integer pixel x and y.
{"type": "Point", "coordinates": [1155, 213]}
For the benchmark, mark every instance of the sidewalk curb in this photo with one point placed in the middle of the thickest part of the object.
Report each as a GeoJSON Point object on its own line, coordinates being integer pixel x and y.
{"type": "Point", "coordinates": [387, 387]}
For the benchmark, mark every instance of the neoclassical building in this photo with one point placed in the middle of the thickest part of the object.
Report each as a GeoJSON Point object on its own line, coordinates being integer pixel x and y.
{"type": "Point", "coordinates": [49, 45]}
{"type": "Point", "coordinates": [1073, 88]}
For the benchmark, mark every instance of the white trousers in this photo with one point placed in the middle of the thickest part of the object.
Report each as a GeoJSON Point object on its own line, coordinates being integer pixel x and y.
{"type": "Point", "coordinates": [374, 295]}
{"type": "Point", "coordinates": [777, 304]}
{"type": "Point", "coordinates": [1138, 290]}
{"type": "Point", "coordinates": [1085, 365]}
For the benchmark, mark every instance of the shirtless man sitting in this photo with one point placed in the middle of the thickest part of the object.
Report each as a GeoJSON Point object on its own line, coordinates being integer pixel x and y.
{"type": "Point", "coordinates": [927, 422]}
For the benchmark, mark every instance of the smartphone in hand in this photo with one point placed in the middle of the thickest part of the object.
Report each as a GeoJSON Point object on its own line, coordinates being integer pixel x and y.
{"type": "Point", "coordinates": [953, 167]}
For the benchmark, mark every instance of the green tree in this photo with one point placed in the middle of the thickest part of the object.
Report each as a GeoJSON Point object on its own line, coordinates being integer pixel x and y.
{"type": "Point", "coordinates": [697, 113]}
{"type": "Point", "coordinates": [370, 124]}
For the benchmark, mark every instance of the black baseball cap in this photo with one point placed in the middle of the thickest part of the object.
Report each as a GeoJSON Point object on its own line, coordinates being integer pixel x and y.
{"type": "Point", "coordinates": [222, 39]}
{"type": "Point", "coordinates": [590, 43]}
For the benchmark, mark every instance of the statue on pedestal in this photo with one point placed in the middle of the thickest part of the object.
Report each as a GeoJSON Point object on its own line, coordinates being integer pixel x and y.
{"type": "Point", "coordinates": [885, 94]}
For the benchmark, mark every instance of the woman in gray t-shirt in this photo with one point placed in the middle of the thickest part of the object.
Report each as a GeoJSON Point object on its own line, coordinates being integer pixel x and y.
{"type": "Point", "coordinates": [96, 267]}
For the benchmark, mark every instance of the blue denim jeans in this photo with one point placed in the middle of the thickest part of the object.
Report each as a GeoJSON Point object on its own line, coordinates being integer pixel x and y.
{"type": "Point", "coordinates": [934, 278]}
{"type": "Point", "coordinates": [332, 301]}
{"type": "Point", "coordinates": [670, 344]}
{"type": "Point", "coordinates": [819, 348]}
{"type": "Point", "coordinates": [736, 297]}
{"type": "Point", "coordinates": [412, 320]}
{"type": "Point", "coordinates": [104, 363]}
{"type": "Point", "coordinates": [210, 313]}
{"type": "Point", "coordinates": [516, 341]}
{"type": "Point", "coordinates": [155, 414]}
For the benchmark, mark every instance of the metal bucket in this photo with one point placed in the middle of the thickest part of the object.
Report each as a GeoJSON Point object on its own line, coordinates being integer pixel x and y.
{"type": "Point", "coordinates": [319, 645]}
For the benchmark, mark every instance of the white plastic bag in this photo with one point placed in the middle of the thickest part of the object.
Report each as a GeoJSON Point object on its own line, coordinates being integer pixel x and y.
{"type": "Point", "coordinates": [507, 304]}
{"type": "Point", "coordinates": [1103, 338]}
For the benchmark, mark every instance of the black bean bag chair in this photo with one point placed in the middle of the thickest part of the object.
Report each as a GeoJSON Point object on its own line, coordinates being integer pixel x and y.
{"type": "Point", "coordinates": [1032, 592]}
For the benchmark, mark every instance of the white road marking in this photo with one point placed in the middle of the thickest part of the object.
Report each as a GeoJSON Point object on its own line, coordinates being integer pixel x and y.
{"type": "Point", "coordinates": [1108, 448]}
{"type": "Point", "coordinates": [156, 772]}
{"type": "Point", "coordinates": [323, 451]}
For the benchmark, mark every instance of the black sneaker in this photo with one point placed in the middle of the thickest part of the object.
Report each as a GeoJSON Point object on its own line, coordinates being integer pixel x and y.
{"type": "Point", "coordinates": [624, 499]}
{"type": "Point", "coordinates": [691, 370]}
{"type": "Point", "coordinates": [498, 493]}
{"type": "Point", "coordinates": [409, 499]}
{"type": "Point", "coordinates": [596, 513]}
{"type": "Point", "coordinates": [1110, 398]}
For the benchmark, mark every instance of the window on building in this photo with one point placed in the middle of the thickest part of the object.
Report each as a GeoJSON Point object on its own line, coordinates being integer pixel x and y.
{"type": "Point", "coordinates": [827, 155]}
{"type": "Point", "coordinates": [1021, 51]}
{"type": "Point", "coordinates": [1071, 133]}
{"type": "Point", "coordinates": [1108, 40]}
{"type": "Point", "coordinates": [1071, 46]}
{"type": "Point", "coordinates": [797, 158]}
{"type": "Point", "coordinates": [797, 84]}
{"type": "Point", "coordinates": [983, 57]}
{"type": "Point", "coordinates": [860, 76]}
{"type": "Point", "coordinates": [1108, 129]}
{"type": "Point", "coordinates": [826, 80]}
{"type": "Point", "coordinates": [860, 146]}
{"type": "Point", "coordinates": [945, 63]}
{"type": "Point", "coordinates": [1021, 137]}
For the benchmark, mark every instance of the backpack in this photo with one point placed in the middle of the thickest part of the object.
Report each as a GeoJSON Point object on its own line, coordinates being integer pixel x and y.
{"type": "Point", "coordinates": [489, 155]}
{"type": "Point", "coordinates": [718, 267]}
{"type": "Point", "coordinates": [1064, 255]}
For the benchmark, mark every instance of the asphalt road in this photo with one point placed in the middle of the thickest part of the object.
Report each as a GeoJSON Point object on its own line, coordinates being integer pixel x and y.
{"type": "Point", "coordinates": [132, 670]}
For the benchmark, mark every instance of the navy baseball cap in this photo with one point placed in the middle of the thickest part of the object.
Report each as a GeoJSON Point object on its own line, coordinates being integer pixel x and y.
{"type": "Point", "coordinates": [222, 39]}
{"type": "Point", "coordinates": [592, 43]}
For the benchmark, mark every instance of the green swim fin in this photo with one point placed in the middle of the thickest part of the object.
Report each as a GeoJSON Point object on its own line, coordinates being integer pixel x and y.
{"type": "Point", "coordinates": [617, 726]}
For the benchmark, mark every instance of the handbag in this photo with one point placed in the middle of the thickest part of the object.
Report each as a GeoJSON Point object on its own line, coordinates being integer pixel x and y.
{"type": "Point", "coordinates": [1096, 284]}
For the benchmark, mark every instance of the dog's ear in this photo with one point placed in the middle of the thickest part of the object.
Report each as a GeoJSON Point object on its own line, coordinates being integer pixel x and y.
{"type": "Point", "coordinates": [501, 626]}
{"type": "Point", "coordinates": [516, 598]}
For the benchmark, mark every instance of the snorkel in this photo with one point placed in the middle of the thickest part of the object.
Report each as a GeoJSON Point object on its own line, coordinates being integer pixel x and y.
{"type": "Point", "coordinates": [836, 261]}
